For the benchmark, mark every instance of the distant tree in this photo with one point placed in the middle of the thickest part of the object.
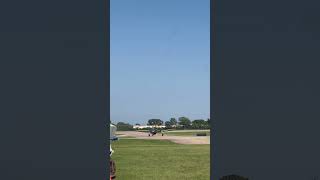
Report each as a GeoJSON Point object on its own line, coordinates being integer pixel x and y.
{"type": "Point", "coordinates": [121, 126]}
{"type": "Point", "coordinates": [155, 122]}
{"type": "Point", "coordinates": [121, 123]}
{"type": "Point", "coordinates": [168, 124]}
{"type": "Point", "coordinates": [173, 122]}
{"type": "Point", "coordinates": [199, 124]}
{"type": "Point", "coordinates": [137, 124]}
{"type": "Point", "coordinates": [184, 122]}
{"type": "Point", "coordinates": [159, 122]}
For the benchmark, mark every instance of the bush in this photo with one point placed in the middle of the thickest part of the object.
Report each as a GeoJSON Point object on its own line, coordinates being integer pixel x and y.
{"type": "Point", "coordinates": [124, 127]}
{"type": "Point", "coordinates": [202, 134]}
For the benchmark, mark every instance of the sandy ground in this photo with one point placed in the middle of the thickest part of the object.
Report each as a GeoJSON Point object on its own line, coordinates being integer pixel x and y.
{"type": "Point", "coordinates": [176, 139]}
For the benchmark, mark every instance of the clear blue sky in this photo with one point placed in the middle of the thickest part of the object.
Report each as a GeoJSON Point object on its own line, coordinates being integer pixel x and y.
{"type": "Point", "coordinates": [160, 60]}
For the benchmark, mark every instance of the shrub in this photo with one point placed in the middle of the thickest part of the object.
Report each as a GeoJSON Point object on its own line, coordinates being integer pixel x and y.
{"type": "Point", "coordinates": [201, 134]}
{"type": "Point", "coordinates": [124, 127]}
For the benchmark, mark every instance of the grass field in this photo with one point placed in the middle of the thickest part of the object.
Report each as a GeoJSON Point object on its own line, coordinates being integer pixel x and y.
{"type": "Point", "coordinates": [138, 159]}
{"type": "Point", "coordinates": [187, 133]}
{"type": "Point", "coordinates": [143, 131]}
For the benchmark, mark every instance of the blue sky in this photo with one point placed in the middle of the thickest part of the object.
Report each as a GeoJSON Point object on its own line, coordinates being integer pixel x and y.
{"type": "Point", "coordinates": [160, 60]}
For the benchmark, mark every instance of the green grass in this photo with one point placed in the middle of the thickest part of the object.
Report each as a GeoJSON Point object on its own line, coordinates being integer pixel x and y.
{"type": "Point", "coordinates": [138, 159]}
{"type": "Point", "coordinates": [123, 137]}
{"type": "Point", "coordinates": [186, 133]}
{"type": "Point", "coordinates": [142, 130]}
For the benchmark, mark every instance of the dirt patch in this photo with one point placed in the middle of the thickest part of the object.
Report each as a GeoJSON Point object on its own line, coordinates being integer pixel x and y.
{"type": "Point", "coordinates": [176, 139]}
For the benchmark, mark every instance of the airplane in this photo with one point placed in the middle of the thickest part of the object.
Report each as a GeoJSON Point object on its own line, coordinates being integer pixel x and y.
{"type": "Point", "coordinates": [152, 131]}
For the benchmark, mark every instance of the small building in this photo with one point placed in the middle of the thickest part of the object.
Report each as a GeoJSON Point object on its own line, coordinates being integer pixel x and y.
{"type": "Point", "coordinates": [146, 127]}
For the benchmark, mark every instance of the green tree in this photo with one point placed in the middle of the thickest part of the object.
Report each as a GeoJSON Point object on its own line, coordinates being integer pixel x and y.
{"type": "Point", "coordinates": [184, 122]}
{"type": "Point", "coordinates": [168, 124]}
{"type": "Point", "coordinates": [173, 122]}
{"type": "Point", "coordinates": [199, 124]}
{"type": "Point", "coordinates": [155, 122]}
{"type": "Point", "coordinates": [209, 123]}
{"type": "Point", "coordinates": [121, 126]}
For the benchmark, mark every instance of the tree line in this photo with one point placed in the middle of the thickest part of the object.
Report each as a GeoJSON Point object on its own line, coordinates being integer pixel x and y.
{"type": "Point", "coordinates": [181, 123]}
{"type": "Point", "coordinates": [173, 123]}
